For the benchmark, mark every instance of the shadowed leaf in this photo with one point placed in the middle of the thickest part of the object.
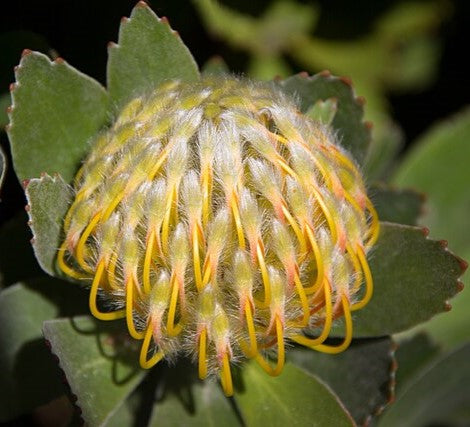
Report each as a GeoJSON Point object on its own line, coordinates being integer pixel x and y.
{"type": "Point", "coordinates": [191, 402]}
{"type": "Point", "coordinates": [26, 362]}
{"type": "Point", "coordinates": [439, 395]}
{"type": "Point", "coordinates": [361, 376]}
{"type": "Point", "coordinates": [99, 361]}
{"type": "Point", "coordinates": [412, 356]}
{"type": "Point", "coordinates": [399, 206]}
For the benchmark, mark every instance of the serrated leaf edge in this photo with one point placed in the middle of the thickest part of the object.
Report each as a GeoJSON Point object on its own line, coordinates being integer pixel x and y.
{"type": "Point", "coordinates": [59, 61]}
{"type": "Point", "coordinates": [54, 178]}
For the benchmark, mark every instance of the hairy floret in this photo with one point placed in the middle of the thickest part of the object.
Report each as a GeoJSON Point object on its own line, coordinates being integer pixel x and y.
{"type": "Point", "coordinates": [220, 221]}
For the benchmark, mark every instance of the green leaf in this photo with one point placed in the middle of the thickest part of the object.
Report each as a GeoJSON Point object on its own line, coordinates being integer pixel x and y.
{"type": "Point", "coordinates": [215, 66]}
{"type": "Point", "coordinates": [56, 111]}
{"type": "Point", "coordinates": [439, 396]}
{"type": "Point", "coordinates": [362, 376]}
{"type": "Point", "coordinates": [99, 361]}
{"type": "Point", "coordinates": [26, 362]}
{"type": "Point", "coordinates": [48, 201]}
{"type": "Point", "coordinates": [413, 279]}
{"type": "Point", "coordinates": [323, 111]}
{"type": "Point", "coordinates": [353, 133]}
{"type": "Point", "coordinates": [400, 206]}
{"type": "Point", "coordinates": [414, 354]}
{"type": "Point", "coordinates": [191, 402]}
{"type": "Point", "coordinates": [17, 260]}
{"type": "Point", "coordinates": [438, 166]}
{"type": "Point", "coordinates": [295, 398]}
{"type": "Point", "coordinates": [148, 53]}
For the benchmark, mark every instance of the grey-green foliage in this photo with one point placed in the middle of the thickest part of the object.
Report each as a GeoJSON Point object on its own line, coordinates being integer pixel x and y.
{"type": "Point", "coordinates": [99, 359]}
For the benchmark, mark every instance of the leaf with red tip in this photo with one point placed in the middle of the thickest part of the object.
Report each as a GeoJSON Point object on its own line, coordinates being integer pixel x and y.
{"type": "Point", "coordinates": [148, 53]}
{"type": "Point", "coordinates": [99, 362]}
{"type": "Point", "coordinates": [438, 395]}
{"type": "Point", "coordinates": [413, 278]}
{"type": "Point", "coordinates": [294, 398]}
{"type": "Point", "coordinates": [56, 111]}
{"type": "Point", "coordinates": [215, 66]}
{"type": "Point", "coordinates": [438, 166]}
{"type": "Point", "coordinates": [413, 355]}
{"type": "Point", "coordinates": [348, 120]}
{"type": "Point", "coordinates": [362, 376]}
{"type": "Point", "coordinates": [48, 199]}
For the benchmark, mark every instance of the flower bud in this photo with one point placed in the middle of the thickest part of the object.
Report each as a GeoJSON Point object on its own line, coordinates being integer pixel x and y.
{"type": "Point", "coordinates": [222, 222]}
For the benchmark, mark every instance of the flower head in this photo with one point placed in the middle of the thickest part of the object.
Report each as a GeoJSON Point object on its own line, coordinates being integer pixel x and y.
{"type": "Point", "coordinates": [221, 222]}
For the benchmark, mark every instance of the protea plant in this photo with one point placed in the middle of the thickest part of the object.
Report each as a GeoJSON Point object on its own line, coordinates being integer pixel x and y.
{"type": "Point", "coordinates": [228, 222]}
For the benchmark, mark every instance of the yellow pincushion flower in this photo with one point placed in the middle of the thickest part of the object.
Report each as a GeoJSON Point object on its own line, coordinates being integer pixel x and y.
{"type": "Point", "coordinates": [221, 222]}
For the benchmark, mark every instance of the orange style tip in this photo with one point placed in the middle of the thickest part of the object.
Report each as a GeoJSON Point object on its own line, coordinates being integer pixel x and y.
{"type": "Point", "coordinates": [111, 45]}
{"type": "Point", "coordinates": [447, 306]}
{"type": "Point", "coordinates": [368, 125]}
{"type": "Point", "coordinates": [346, 80]}
{"type": "Point", "coordinates": [59, 60]}
{"type": "Point", "coordinates": [460, 286]}
{"type": "Point", "coordinates": [142, 4]}
{"type": "Point", "coordinates": [27, 208]}
{"type": "Point", "coordinates": [12, 87]}
{"type": "Point", "coordinates": [124, 20]}
{"type": "Point", "coordinates": [303, 74]}
{"type": "Point", "coordinates": [165, 20]}
{"type": "Point", "coordinates": [26, 52]}
{"type": "Point", "coordinates": [9, 109]}
{"type": "Point", "coordinates": [425, 231]}
{"type": "Point", "coordinates": [325, 73]}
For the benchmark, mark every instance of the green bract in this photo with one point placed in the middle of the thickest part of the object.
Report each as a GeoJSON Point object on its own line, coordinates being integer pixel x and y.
{"type": "Point", "coordinates": [56, 113]}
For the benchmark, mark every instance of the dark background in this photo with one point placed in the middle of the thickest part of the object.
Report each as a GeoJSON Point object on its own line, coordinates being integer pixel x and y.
{"type": "Point", "coordinates": [79, 30]}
